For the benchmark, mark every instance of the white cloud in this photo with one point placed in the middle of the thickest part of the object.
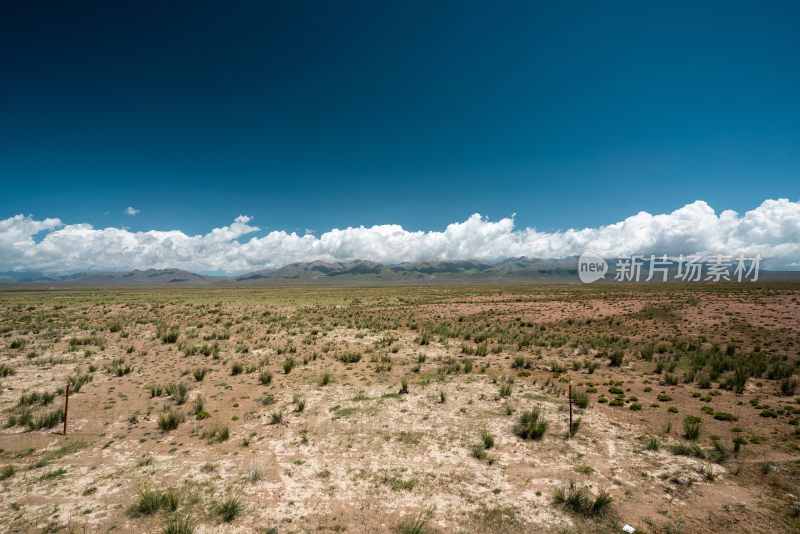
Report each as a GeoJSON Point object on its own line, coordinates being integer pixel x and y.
{"type": "Point", "coordinates": [771, 229]}
{"type": "Point", "coordinates": [130, 210]}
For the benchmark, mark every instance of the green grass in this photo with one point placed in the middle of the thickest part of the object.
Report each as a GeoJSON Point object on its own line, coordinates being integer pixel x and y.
{"type": "Point", "coordinates": [531, 425]}
{"type": "Point", "coordinates": [169, 420]}
{"type": "Point", "coordinates": [176, 524]}
{"type": "Point", "coordinates": [691, 427]}
{"type": "Point", "coordinates": [229, 509]}
{"type": "Point", "coordinates": [581, 502]}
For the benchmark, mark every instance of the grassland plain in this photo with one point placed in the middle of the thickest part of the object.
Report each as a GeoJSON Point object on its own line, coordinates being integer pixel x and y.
{"type": "Point", "coordinates": [411, 409]}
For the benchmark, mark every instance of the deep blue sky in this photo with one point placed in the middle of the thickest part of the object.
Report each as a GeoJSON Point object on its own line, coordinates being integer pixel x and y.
{"type": "Point", "coordinates": [328, 114]}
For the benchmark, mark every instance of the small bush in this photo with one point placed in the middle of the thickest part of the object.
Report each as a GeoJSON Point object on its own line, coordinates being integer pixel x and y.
{"type": "Point", "coordinates": [237, 368]}
{"type": "Point", "coordinates": [288, 365]}
{"type": "Point", "coordinates": [265, 378]}
{"type": "Point", "coordinates": [169, 420]}
{"type": "Point", "coordinates": [167, 334]}
{"type": "Point", "coordinates": [580, 398]}
{"type": "Point", "coordinates": [691, 427]}
{"type": "Point", "coordinates": [325, 379]}
{"type": "Point", "coordinates": [579, 501]}
{"type": "Point", "coordinates": [530, 425]}
{"type": "Point", "coordinates": [615, 358]}
{"type": "Point", "coordinates": [199, 373]}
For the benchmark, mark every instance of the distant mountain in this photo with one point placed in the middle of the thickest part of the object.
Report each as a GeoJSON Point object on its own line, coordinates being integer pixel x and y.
{"type": "Point", "coordinates": [455, 271]}
{"type": "Point", "coordinates": [359, 272]}
{"type": "Point", "coordinates": [154, 277]}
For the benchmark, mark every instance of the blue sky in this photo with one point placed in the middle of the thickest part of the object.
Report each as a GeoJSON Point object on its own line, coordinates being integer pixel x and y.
{"type": "Point", "coordinates": [321, 115]}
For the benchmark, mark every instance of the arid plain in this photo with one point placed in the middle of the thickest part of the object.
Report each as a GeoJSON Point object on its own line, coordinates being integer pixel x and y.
{"type": "Point", "coordinates": [416, 409]}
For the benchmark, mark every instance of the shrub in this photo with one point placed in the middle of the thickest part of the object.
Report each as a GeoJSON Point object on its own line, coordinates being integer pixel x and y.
{"type": "Point", "coordinates": [288, 365]}
{"type": "Point", "coordinates": [788, 386]}
{"type": "Point", "coordinates": [530, 425]}
{"type": "Point", "coordinates": [725, 416]}
{"type": "Point", "coordinates": [237, 368]}
{"type": "Point", "coordinates": [6, 370]}
{"type": "Point", "coordinates": [265, 378]}
{"type": "Point", "coordinates": [579, 501]}
{"type": "Point", "coordinates": [691, 427]}
{"type": "Point", "coordinates": [615, 358]}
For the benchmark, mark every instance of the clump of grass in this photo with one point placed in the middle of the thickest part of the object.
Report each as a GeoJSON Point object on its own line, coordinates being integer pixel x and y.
{"type": "Point", "coordinates": [487, 439]}
{"type": "Point", "coordinates": [151, 501]}
{"type": "Point", "coordinates": [265, 378]}
{"type": "Point", "coordinates": [177, 524]}
{"type": "Point", "coordinates": [6, 370]}
{"type": "Point", "coordinates": [255, 473]}
{"type": "Point", "coordinates": [178, 391]}
{"type": "Point", "coordinates": [217, 434]}
{"type": "Point", "coordinates": [530, 425]}
{"type": "Point", "coordinates": [325, 379]}
{"type": "Point", "coordinates": [7, 472]}
{"type": "Point", "coordinates": [691, 427]}
{"type": "Point", "coordinates": [683, 449]}
{"type": "Point", "coordinates": [199, 404]}
{"type": "Point", "coordinates": [118, 367]}
{"type": "Point", "coordinates": [167, 334]}
{"type": "Point", "coordinates": [76, 382]}
{"type": "Point", "coordinates": [34, 397]}
{"type": "Point", "coordinates": [417, 525]}
{"type": "Point", "coordinates": [276, 418]}
{"type": "Point", "coordinates": [237, 368]}
{"type": "Point", "coordinates": [288, 365]}
{"type": "Point", "coordinates": [36, 421]}
{"type": "Point", "coordinates": [169, 420]}
{"type": "Point", "coordinates": [442, 397]}
{"type": "Point", "coordinates": [229, 509]}
{"type": "Point", "coordinates": [581, 502]}
{"type": "Point", "coordinates": [615, 358]}
{"type": "Point", "coordinates": [349, 357]}
{"type": "Point", "coordinates": [199, 373]}
{"type": "Point", "coordinates": [652, 444]}
{"type": "Point", "coordinates": [404, 387]}
{"type": "Point", "coordinates": [505, 390]}
{"type": "Point", "coordinates": [580, 398]}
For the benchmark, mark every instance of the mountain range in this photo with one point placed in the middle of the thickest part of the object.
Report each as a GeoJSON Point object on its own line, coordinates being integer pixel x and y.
{"type": "Point", "coordinates": [358, 272]}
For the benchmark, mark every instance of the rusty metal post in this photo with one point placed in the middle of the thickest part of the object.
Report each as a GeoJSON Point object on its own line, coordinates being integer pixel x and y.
{"type": "Point", "coordinates": [570, 409]}
{"type": "Point", "coordinates": [66, 409]}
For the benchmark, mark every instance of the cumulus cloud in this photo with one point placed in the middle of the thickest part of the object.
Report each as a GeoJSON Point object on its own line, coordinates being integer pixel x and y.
{"type": "Point", "coordinates": [772, 230]}
{"type": "Point", "coordinates": [130, 210]}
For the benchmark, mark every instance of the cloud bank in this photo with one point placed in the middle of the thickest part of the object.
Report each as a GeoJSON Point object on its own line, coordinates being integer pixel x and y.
{"type": "Point", "coordinates": [26, 244]}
